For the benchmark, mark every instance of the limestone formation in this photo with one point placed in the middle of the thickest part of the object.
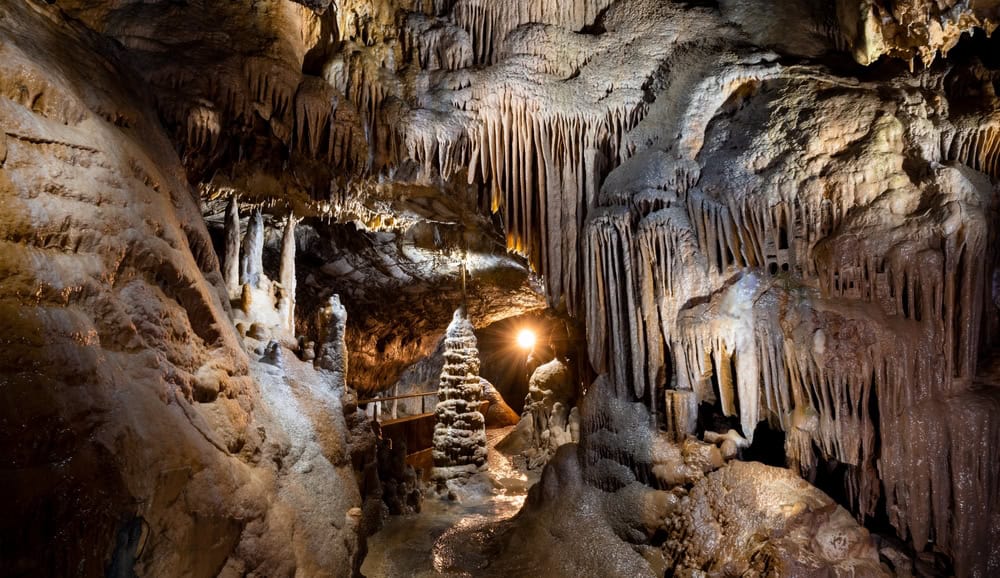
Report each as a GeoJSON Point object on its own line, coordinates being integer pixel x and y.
{"type": "Point", "coordinates": [460, 432]}
{"type": "Point", "coordinates": [286, 276]}
{"type": "Point", "coordinates": [825, 280]}
{"type": "Point", "coordinates": [332, 354]}
{"type": "Point", "coordinates": [780, 215]}
{"type": "Point", "coordinates": [912, 29]}
{"type": "Point", "coordinates": [498, 413]}
{"type": "Point", "coordinates": [550, 418]}
{"type": "Point", "coordinates": [251, 256]}
{"type": "Point", "coordinates": [231, 263]}
{"type": "Point", "coordinates": [267, 306]}
{"type": "Point", "coordinates": [792, 528]}
{"type": "Point", "coordinates": [138, 437]}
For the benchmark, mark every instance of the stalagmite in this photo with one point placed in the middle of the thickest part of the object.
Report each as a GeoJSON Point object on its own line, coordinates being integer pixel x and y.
{"type": "Point", "coordinates": [286, 275]}
{"type": "Point", "coordinates": [251, 262]}
{"type": "Point", "coordinates": [550, 418]}
{"type": "Point", "coordinates": [460, 432]}
{"type": "Point", "coordinates": [332, 354]}
{"type": "Point", "coordinates": [231, 262]}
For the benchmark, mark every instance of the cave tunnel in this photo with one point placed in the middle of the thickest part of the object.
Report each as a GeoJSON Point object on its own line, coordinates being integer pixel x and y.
{"type": "Point", "coordinates": [506, 288]}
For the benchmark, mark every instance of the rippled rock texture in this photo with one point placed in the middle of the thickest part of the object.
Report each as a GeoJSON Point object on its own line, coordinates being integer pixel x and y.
{"type": "Point", "coordinates": [114, 322]}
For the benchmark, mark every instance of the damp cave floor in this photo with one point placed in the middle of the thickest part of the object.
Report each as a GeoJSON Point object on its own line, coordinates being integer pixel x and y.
{"type": "Point", "coordinates": [417, 545]}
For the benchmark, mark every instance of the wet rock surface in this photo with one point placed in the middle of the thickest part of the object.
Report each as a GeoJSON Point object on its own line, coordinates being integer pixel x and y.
{"type": "Point", "coordinates": [224, 222]}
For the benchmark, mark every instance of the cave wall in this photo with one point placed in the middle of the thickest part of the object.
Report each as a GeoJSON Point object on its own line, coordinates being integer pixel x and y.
{"type": "Point", "coordinates": [113, 316]}
{"type": "Point", "coordinates": [818, 252]}
{"type": "Point", "coordinates": [737, 212]}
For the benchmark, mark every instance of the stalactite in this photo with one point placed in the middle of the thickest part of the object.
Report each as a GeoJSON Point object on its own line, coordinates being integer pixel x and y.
{"type": "Point", "coordinates": [521, 150]}
{"type": "Point", "coordinates": [976, 143]}
{"type": "Point", "coordinates": [203, 127]}
{"type": "Point", "coordinates": [272, 85]}
{"type": "Point", "coordinates": [347, 146]}
{"type": "Point", "coordinates": [315, 102]}
{"type": "Point", "coordinates": [613, 326]}
{"type": "Point", "coordinates": [836, 299]}
{"type": "Point", "coordinates": [488, 23]}
{"type": "Point", "coordinates": [437, 142]}
{"type": "Point", "coordinates": [435, 45]}
{"type": "Point", "coordinates": [681, 414]}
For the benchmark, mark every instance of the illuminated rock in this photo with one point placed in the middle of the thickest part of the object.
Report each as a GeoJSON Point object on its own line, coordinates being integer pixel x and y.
{"type": "Point", "coordinates": [460, 431]}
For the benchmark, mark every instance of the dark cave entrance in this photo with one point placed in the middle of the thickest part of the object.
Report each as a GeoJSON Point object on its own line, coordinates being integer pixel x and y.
{"type": "Point", "coordinates": [508, 366]}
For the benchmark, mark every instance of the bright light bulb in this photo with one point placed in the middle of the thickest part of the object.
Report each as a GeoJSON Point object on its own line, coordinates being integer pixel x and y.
{"type": "Point", "coordinates": [526, 339]}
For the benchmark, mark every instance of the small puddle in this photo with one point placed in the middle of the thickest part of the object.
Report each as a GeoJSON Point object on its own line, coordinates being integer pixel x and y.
{"type": "Point", "coordinates": [417, 544]}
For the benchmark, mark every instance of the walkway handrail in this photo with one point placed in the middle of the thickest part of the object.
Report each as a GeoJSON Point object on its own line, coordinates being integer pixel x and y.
{"type": "Point", "coordinates": [394, 397]}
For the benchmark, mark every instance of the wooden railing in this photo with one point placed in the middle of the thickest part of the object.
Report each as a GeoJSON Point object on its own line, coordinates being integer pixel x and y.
{"type": "Point", "coordinates": [395, 399]}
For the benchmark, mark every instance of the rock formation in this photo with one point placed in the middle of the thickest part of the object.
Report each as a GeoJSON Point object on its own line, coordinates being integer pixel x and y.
{"type": "Point", "coordinates": [912, 28]}
{"type": "Point", "coordinates": [794, 295]}
{"type": "Point", "coordinates": [550, 418]}
{"type": "Point", "coordinates": [460, 431]}
{"type": "Point", "coordinates": [782, 214]}
{"type": "Point", "coordinates": [498, 413]}
{"type": "Point", "coordinates": [625, 483]}
{"type": "Point", "coordinates": [138, 435]}
{"type": "Point", "coordinates": [792, 528]}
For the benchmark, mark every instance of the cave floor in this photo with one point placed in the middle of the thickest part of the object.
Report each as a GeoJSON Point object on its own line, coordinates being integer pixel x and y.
{"type": "Point", "coordinates": [420, 545]}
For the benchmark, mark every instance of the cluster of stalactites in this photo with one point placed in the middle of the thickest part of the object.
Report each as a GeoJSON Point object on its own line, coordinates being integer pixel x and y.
{"type": "Point", "coordinates": [488, 22]}
{"type": "Point", "coordinates": [321, 118]}
{"type": "Point", "coordinates": [460, 432]}
{"type": "Point", "coordinates": [975, 144]}
{"type": "Point", "coordinates": [544, 169]}
{"type": "Point", "coordinates": [782, 305]}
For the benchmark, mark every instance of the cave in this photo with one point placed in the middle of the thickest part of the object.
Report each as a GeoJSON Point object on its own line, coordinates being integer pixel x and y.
{"type": "Point", "coordinates": [384, 288]}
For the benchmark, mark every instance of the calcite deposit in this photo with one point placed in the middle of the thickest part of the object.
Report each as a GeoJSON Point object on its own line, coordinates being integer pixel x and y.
{"type": "Point", "coordinates": [550, 418]}
{"type": "Point", "coordinates": [139, 434]}
{"type": "Point", "coordinates": [460, 429]}
{"type": "Point", "coordinates": [770, 228]}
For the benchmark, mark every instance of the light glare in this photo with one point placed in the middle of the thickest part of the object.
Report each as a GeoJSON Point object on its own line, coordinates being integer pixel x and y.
{"type": "Point", "coordinates": [526, 339]}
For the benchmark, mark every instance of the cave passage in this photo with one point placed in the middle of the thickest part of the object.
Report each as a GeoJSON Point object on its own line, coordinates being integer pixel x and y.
{"type": "Point", "coordinates": [545, 288]}
{"type": "Point", "coordinates": [429, 542]}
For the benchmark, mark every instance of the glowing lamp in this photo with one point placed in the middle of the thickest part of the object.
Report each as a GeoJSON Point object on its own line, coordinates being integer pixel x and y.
{"type": "Point", "coordinates": [526, 339]}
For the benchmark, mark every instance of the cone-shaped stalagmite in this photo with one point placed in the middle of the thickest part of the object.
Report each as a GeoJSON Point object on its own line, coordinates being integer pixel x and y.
{"type": "Point", "coordinates": [460, 432]}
